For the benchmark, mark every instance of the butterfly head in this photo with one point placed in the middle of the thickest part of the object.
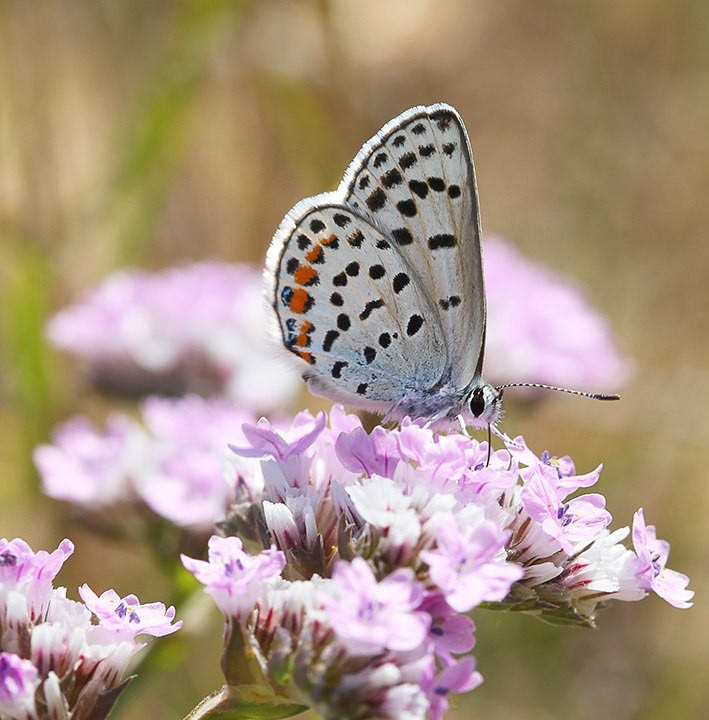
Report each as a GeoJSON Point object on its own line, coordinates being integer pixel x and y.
{"type": "Point", "coordinates": [485, 404]}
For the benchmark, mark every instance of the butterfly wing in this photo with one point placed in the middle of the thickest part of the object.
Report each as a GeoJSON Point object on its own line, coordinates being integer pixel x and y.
{"type": "Point", "coordinates": [415, 179]}
{"type": "Point", "coordinates": [352, 307]}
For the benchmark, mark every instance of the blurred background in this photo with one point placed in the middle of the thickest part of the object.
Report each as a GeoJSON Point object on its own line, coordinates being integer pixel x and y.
{"type": "Point", "coordinates": [152, 133]}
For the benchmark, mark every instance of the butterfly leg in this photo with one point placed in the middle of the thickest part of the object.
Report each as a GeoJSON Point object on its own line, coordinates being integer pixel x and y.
{"type": "Point", "coordinates": [392, 411]}
{"type": "Point", "coordinates": [435, 418]}
{"type": "Point", "coordinates": [463, 426]}
{"type": "Point", "coordinates": [504, 436]}
{"type": "Point", "coordinates": [489, 446]}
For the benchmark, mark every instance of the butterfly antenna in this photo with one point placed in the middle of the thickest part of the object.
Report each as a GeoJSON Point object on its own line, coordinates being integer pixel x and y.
{"type": "Point", "coordinates": [541, 386]}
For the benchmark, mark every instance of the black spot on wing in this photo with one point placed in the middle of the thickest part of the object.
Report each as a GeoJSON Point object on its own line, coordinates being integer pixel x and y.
{"type": "Point", "coordinates": [340, 280]}
{"type": "Point", "coordinates": [338, 367]}
{"type": "Point", "coordinates": [418, 129]}
{"type": "Point", "coordinates": [427, 150]}
{"type": "Point", "coordinates": [376, 272]}
{"type": "Point", "coordinates": [356, 239]}
{"type": "Point", "coordinates": [330, 337]}
{"type": "Point", "coordinates": [437, 184]}
{"type": "Point", "coordinates": [369, 354]}
{"type": "Point", "coordinates": [402, 236]}
{"type": "Point", "coordinates": [442, 240]}
{"type": "Point", "coordinates": [449, 148]}
{"type": "Point", "coordinates": [399, 140]}
{"type": "Point", "coordinates": [337, 300]}
{"type": "Point", "coordinates": [352, 269]}
{"type": "Point", "coordinates": [303, 241]}
{"type": "Point", "coordinates": [451, 302]}
{"type": "Point", "coordinates": [406, 207]}
{"type": "Point", "coordinates": [317, 225]}
{"type": "Point", "coordinates": [292, 265]}
{"type": "Point", "coordinates": [453, 191]}
{"type": "Point", "coordinates": [376, 200]}
{"type": "Point", "coordinates": [443, 119]}
{"type": "Point", "coordinates": [401, 280]}
{"type": "Point", "coordinates": [391, 178]}
{"type": "Point", "coordinates": [419, 188]}
{"type": "Point", "coordinates": [362, 388]}
{"type": "Point", "coordinates": [364, 182]}
{"type": "Point", "coordinates": [407, 160]}
{"type": "Point", "coordinates": [343, 322]}
{"type": "Point", "coordinates": [341, 220]}
{"type": "Point", "coordinates": [380, 159]}
{"type": "Point", "coordinates": [414, 324]}
{"type": "Point", "coordinates": [370, 307]}
{"type": "Point", "coordinates": [383, 245]}
{"type": "Point", "coordinates": [385, 340]}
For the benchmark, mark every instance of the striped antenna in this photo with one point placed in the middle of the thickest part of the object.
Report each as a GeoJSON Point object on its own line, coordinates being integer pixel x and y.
{"type": "Point", "coordinates": [593, 396]}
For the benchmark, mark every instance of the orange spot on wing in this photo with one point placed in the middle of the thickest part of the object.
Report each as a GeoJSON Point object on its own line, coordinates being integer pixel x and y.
{"type": "Point", "coordinates": [314, 255]}
{"type": "Point", "coordinates": [330, 240]}
{"type": "Point", "coordinates": [305, 275]}
{"type": "Point", "coordinates": [305, 329]}
{"type": "Point", "coordinates": [300, 301]}
{"type": "Point", "coordinates": [308, 357]}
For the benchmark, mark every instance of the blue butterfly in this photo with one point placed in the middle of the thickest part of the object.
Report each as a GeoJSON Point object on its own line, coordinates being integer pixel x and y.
{"type": "Point", "coordinates": [378, 287]}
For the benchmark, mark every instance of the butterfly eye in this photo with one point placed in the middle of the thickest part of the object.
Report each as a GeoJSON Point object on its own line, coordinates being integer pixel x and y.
{"type": "Point", "coordinates": [477, 402]}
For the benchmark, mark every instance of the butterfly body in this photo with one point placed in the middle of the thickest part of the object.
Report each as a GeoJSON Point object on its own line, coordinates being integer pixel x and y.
{"type": "Point", "coordinates": [377, 287]}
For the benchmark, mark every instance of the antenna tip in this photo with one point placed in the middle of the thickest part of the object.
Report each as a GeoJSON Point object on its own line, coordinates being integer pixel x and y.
{"type": "Point", "coordinates": [606, 396]}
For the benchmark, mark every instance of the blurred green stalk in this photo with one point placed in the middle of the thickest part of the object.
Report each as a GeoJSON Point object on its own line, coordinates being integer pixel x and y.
{"type": "Point", "coordinates": [23, 312]}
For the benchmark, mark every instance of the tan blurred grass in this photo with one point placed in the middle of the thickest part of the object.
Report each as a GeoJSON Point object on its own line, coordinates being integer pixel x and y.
{"type": "Point", "coordinates": [156, 132]}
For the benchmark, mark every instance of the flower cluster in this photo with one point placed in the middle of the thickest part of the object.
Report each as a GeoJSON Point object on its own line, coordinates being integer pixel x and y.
{"type": "Point", "coordinates": [197, 328]}
{"type": "Point", "coordinates": [175, 461]}
{"type": "Point", "coordinates": [542, 329]}
{"type": "Point", "coordinates": [370, 548]}
{"type": "Point", "coordinates": [55, 663]}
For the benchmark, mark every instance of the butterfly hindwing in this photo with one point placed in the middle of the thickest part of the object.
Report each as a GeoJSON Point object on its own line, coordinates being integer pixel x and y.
{"type": "Point", "coordinates": [351, 307]}
{"type": "Point", "coordinates": [416, 180]}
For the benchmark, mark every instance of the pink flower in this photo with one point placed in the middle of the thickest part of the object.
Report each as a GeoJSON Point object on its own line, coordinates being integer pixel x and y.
{"type": "Point", "coordinates": [570, 523]}
{"type": "Point", "coordinates": [376, 453]}
{"type": "Point", "coordinates": [449, 632]}
{"type": "Point", "coordinates": [466, 565]}
{"type": "Point", "coordinates": [567, 481]}
{"type": "Point", "coordinates": [30, 575]}
{"type": "Point", "coordinates": [458, 677]}
{"type": "Point", "coordinates": [70, 662]}
{"type": "Point", "coordinates": [233, 577]}
{"type": "Point", "coordinates": [19, 680]}
{"type": "Point", "coordinates": [443, 457]}
{"type": "Point", "coordinates": [199, 327]}
{"type": "Point", "coordinates": [651, 560]}
{"type": "Point", "coordinates": [264, 441]}
{"type": "Point", "coordinates": [369, 616]}
{"type": "Point", "coordinates": [126, 617]}
{"type": "Point", "coordinates": [179, 464]}
{"type": "Point", "coordinates": [89, 467]}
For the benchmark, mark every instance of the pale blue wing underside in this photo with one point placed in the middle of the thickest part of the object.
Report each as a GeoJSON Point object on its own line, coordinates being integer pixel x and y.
{"type": "Point", "coordinates": [351, 307]}
{"type": "Point", "coordinates": [416, 179]}
{"type": "Point", "coordinates": [378, 287]}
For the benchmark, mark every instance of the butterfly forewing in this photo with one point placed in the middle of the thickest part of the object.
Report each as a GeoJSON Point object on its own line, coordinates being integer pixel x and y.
{"type": "Point", "coordinates": [416, 180]}
{"type": "Point", "coordinates": [351, 307]}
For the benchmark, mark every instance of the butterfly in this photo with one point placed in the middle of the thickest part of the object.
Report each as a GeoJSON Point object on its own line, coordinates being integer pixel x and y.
{"type": "Point", "coordinates": [378, 286]}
